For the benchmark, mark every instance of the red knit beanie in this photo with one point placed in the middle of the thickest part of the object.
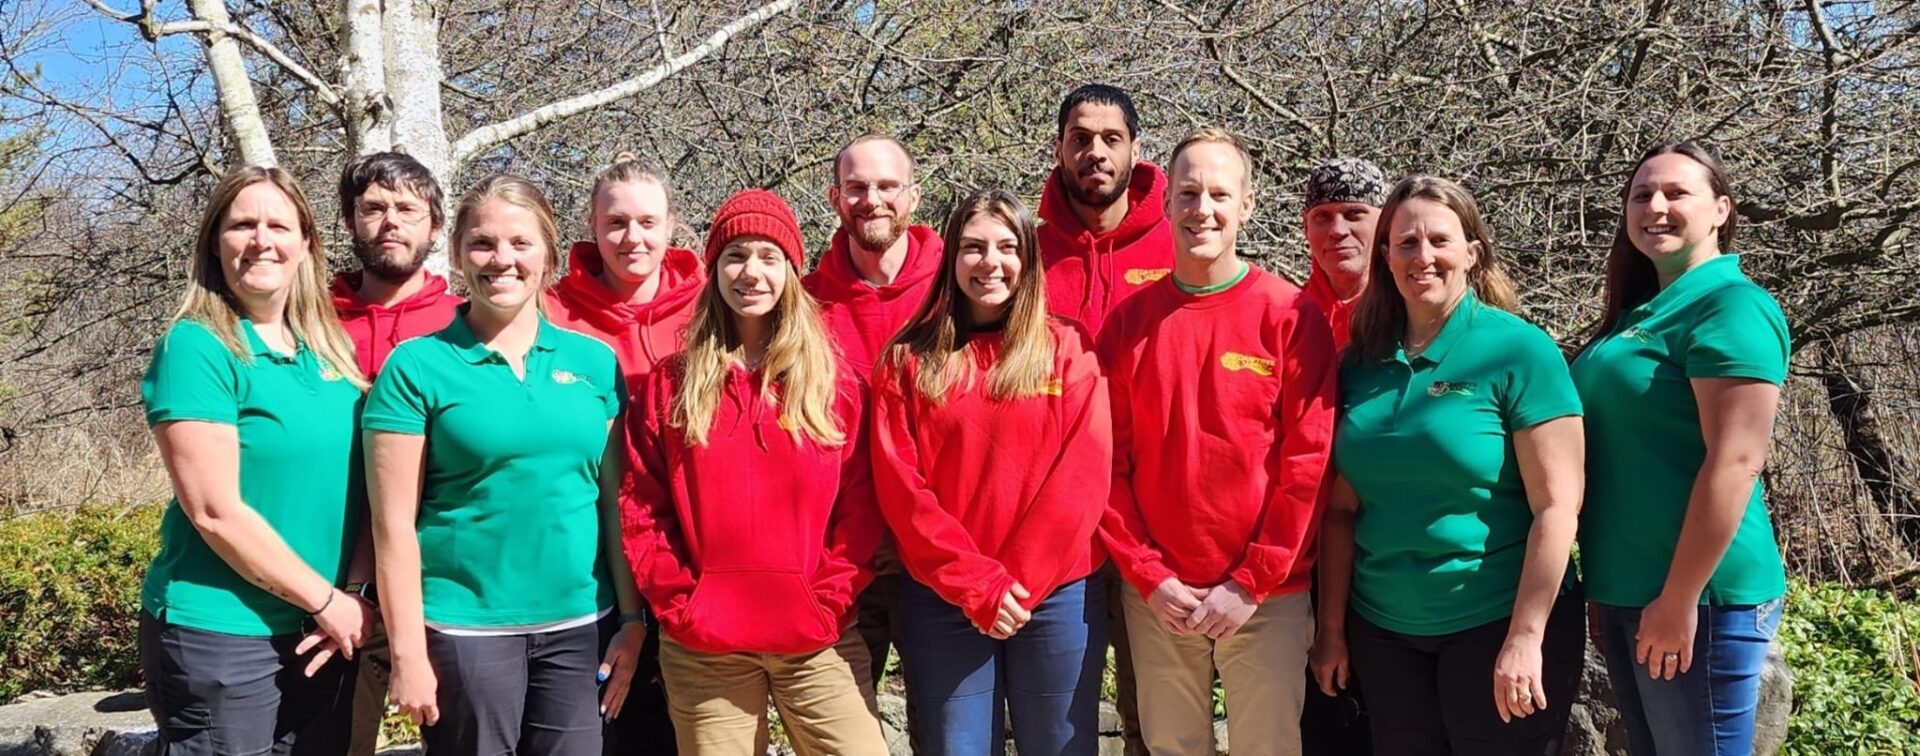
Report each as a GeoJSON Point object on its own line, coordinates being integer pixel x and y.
{"type": "Point", "coordinates": [756, 212]}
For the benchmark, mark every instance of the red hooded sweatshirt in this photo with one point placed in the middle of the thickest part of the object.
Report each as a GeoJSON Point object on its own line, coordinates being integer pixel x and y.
{"type": "Point", "coordinates": [1089, 274]}
{"type": "Point", "coordinates": [377, 329]}
{"type": "Point", "coordinates": [863, 317]}
{"type": "Point", "coordinates": [980, 493]}
{"type": "Point", "coordinates": [1223, 421]}
{"type": "Point", "coordinates": [1339, 314]}
{"type": "Point", "coordinates": [756, 541]}
{"type": "Point", "coordinates": [641, 335]}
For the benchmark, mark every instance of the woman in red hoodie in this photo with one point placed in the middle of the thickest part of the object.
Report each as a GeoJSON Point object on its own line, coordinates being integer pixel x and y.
{"type": "Point", "coordinates": [1006, 606]}
{"type": "Point", "coordinates": [749, 516]}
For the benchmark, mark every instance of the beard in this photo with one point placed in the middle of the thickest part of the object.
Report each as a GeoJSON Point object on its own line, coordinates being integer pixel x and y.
{"type": "Point", "coordinates": [1122, 180]}
{"type": "Point", "coordinates": [389, 268]}
{"type": "Point", "coordinates": [878, 239]}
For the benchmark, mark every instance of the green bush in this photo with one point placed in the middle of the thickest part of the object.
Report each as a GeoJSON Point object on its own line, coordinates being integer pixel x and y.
{"type": "Point", "coordinates": [70, 598]}
{"type": "Point", "coordinates": [1854, 655]}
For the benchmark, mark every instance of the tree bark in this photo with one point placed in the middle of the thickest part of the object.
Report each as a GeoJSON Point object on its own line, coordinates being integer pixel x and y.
{"type": "Point", "coordinates": [413, 77]}
{"type": "Point", "coordinates": [1850, 398]}
{"type": "Point", "coordinates": [368, 114]}
{"type": "Point", "coordinates": [239, 109]}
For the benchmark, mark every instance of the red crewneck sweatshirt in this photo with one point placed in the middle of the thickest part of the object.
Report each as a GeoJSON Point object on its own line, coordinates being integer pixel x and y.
{"type": "Point", "coordinates": [641, 334]}
{"type": "Point", "coordinates": [756, 541]}
{"type": "Point", "coordinates": [377, 329]}
{"type": "Point", "coordinates": [863, 317]}
{"type": "Point", "coordinates": [1089, 274]}
{"type": "Point", "coordinates": [980, 493]}
{"type": "Point", "coordinates": [1223, 422]}
{"type": "Point", "coordinates": [1339, 313]}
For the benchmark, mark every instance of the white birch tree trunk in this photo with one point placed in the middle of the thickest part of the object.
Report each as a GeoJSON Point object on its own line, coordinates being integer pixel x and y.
{"type": "Point", "coordinates": [239, 110]}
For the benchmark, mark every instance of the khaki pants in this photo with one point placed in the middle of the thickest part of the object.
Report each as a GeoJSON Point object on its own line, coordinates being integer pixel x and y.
{"type": "Point", "coordinates": [1260, 669]}
{"type": "Point", "coordinates": [719, 701]}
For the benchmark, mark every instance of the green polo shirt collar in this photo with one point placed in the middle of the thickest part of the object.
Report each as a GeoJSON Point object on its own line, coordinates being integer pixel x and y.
{"type": "Point", "coordinates": [461, 337]}
{"type": "Point", "coordinates": [258, 346]}
{"type": "Point", "coordinates": [1703, 278]}
{"type": "Point", "coordinates": [1456, 327]}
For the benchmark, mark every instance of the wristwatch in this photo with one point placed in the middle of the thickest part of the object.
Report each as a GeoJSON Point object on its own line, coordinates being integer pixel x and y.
{"type": "Point", "coordinates": [365, 591]}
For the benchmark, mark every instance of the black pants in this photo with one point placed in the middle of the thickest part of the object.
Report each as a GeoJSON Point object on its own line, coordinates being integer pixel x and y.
{"type": "Point", "coordinates": [531, 695]}
{"type": "Point", "coordinates": [231, 695]}
{"type": "Point", "coordinates": [644, 727]}
{"type": "Point", "coordinates": [1433, 695]}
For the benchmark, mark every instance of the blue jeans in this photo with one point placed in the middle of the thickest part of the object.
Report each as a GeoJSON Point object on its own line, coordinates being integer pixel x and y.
{"type": "Point", "coordinates": [1049, 673]}
{"type": "Point", "coordinates": [1708, 710]}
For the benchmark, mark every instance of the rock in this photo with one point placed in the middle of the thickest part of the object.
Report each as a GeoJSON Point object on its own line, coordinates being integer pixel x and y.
{"type": "Point", "coordinates": [1776, 703]}
{"type": "Point", "coordinates": [81, 724]}
{"type": "Point", "coordinates": [893, 724]}
{"type": "Point", "coordinates": [1220, 737]}
{"type": "Point", "coordinates": [1596, 727]}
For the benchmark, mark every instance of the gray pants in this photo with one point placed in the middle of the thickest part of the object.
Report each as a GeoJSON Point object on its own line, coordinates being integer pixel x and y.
{"type": "Point", "coordinates": [229, 695]}
{"type": "Point", "coordinates": [530, 695]}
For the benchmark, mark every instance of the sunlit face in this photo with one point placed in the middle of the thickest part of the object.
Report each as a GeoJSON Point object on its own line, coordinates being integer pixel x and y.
{"type": "Point", "coordinates": [261, 242]}
{"type": "Point", "coordinates": [1340, 237]}
{"type": "Point", "coordinates": [988, 266]}
{"type": "Point", "coordinates": [1096, 152]}
{"type": "Point", "coordinates": [1429, 255]}
{"type": "Point", "coordinates": [752, 273]}
{"type": "Point", "coordinates": [876, 195]}
{"type": "Point", "coordinates": [1671, 209]}
{"type": "Point", "coordinates": [632, 227]}
{"type": "Point", "coordinates": [503, 256]}
{"type": "Point", "coordinates": [393, 231]}
{"type": "Point", "coordinates": [1208, 200]}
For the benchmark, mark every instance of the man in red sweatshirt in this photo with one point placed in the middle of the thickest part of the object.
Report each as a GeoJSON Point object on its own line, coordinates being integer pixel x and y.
{"type": "Point", "coordinates": [1105, 238]}
{"type": "Point", "coordinates": [1343, 202]}
{"type": "Point", "coordinates": [876, 272]}
{"type": "Point", "coordinates": [391, 206]}
{"type": "Point", "coordinates": [1223, 386]}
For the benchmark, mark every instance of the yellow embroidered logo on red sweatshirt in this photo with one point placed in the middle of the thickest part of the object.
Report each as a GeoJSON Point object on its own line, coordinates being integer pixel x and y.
{"type": "Point", "coordinates": [1140, 276]}
{"type": "Point", "coordinates": [1235, 361]}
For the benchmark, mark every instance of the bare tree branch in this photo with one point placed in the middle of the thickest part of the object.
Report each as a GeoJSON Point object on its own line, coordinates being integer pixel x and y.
{"type": "Point", "coordinates": [153, 29]}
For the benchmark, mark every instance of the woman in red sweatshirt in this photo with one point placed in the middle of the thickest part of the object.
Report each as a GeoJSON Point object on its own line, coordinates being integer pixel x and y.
{"type": "Point", "coordinates": [749, 517]}
{"type": "Point", "coordinates": [999, 535]}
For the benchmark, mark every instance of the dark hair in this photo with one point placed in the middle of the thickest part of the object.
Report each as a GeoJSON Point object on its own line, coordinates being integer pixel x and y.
{"type": "Point", "coordinates": [1381, 317]}
{"type": "Point", "coordinates": [395, 171]}
{"type": "Point", "coordinates": [1631, 278]}
{"type": "Point", "coordinates": [1099, 94]}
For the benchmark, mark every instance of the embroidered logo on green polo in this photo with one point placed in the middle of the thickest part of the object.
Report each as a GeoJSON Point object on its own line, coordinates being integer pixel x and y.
{"type": "Point", "coordinates": [328, 374]}
{"type": "Point", "coordinates": [1636, 333]}
{"type": "Point", "coordinates": [567, 377]}
{"type": "Point", "coordinates": [1236, 362]}
{"type": "Point", "coordinates": [1142, 276]}
{"type": "Point", "coordinates": [1455, 388]}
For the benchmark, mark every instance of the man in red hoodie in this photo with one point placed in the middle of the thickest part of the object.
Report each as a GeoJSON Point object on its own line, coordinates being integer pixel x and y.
{"type": "Point", "coordinates": [1223, 380]}
{"type": "Point", "coordinates": [391, 206]}
{"type": "Point", "coordinates": [1343, 202]}
{"type": "Point", "coordinates": [1105, 238]}
{"type": "Point", "coordinates": [876, 272]}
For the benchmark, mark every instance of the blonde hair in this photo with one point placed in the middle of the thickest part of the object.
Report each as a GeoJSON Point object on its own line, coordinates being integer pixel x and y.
{"type": "Point", "coordinates": [309, 312]}
{"type": "Point", "coordinates": [628, 169]}
{"type": "Point", "coordinates": [798, 374]}
{"type": "Point", "coordinates": [1381, 316]}
{"type": "Point", "coordinates": [518, 192]}
{"type": "Point", "coordinates": [933, 335]}
{"type": "Point", "coordinates": [1215, 135]}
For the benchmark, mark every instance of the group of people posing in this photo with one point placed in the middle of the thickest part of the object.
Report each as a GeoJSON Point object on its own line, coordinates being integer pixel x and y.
{"type": "Point", "coordinates": [624, 508]}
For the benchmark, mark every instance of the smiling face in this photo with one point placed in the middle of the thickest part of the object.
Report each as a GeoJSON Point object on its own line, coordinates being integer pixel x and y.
{"type": "Point", "coordinates": [988, 266]}
{"type": "Point", "coordinates": [1096, 152]}
{"type": "Point", "coordinates": [1429, 255]}
{"type": "Point", "coordinates": [261, 243]}
{"type": "Point", "coordinates": [1672, 213]}
{"type": "Point", "coordinates": [751, 272]}
{"type": "Point", "coordinates": [1208, 200]}
{"type": "Point", "coordinates": [875, 195]}
{"type": "Point", "coordinates": [503, 256]}
{"type": "Point", "coordinates": [632, 227]}
{"type": "Point", "coordinates": [1340, 236]}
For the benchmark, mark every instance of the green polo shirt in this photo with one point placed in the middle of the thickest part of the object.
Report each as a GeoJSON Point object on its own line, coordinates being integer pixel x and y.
{"type": "Point", "coordinates": [1644, 446]}
{"type": "Point", "coordinates": [509, 506]}
{"type": "Point", "coordinates": [299, 469]}
{"type": "Point", "coordinates": [1427, 443]}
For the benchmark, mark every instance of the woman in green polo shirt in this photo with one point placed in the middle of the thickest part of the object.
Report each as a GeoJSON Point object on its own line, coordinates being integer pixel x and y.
{"type": "Point", "coordinates": [493, 472]}
{"type": "Point", "coordinates": [1459, 455]}
{"type": "Point", "coordinates": [1683, 377]}
{"type": "Point", "coordinates": [253, 396]}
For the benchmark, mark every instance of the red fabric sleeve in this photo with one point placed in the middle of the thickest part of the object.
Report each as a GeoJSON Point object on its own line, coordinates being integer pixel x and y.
{"type": "Point", "coordinates": [1067, 509]}
{"type": "Point", "coordinates": [1304, 419]}
{"type": "Point", "coordinates": [855, 529]}
{"type": "Point", "coordinates": [935, 547]}
{"type": "Point", "coordinates": [649, 522]}
{"type": "Point", "coordinates": [1122, 529]}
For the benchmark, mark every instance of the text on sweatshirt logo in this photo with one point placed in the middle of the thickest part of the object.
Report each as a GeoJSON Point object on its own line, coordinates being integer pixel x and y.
{"type": "Point", "coordinates": [1235, 361]}
{"type": "Point", "coordinates": [1139, 276]}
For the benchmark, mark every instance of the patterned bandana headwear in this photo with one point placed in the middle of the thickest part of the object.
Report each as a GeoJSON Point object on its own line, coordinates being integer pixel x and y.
{"type": "Point", "coordinates": [1346, 180]}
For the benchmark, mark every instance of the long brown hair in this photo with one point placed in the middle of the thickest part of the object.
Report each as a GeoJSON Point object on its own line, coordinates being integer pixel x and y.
{"type": "Point", "coordinates": [1381, 317]}
{"type": "Point", "coordinates": [934, 335]}
{"type": "Point", "coordinates": [798, 374]}
{"type": "Point", "coordinates": [210, 302]}
{"type": "Point", "coordinates": [1631, 278]}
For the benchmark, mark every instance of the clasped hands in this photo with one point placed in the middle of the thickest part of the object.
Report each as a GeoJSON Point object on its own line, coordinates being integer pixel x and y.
{"type": "Point", "coordinates": [1216, 612]}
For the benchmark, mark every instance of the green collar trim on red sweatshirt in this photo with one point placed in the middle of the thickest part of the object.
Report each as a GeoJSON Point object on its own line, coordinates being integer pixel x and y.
{"type": "Point", "coordinates": [1201, 291]}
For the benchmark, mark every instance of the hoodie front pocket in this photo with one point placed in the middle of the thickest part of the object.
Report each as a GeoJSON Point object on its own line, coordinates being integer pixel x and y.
{"type": "Point", "coordinates": [767, 611]}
